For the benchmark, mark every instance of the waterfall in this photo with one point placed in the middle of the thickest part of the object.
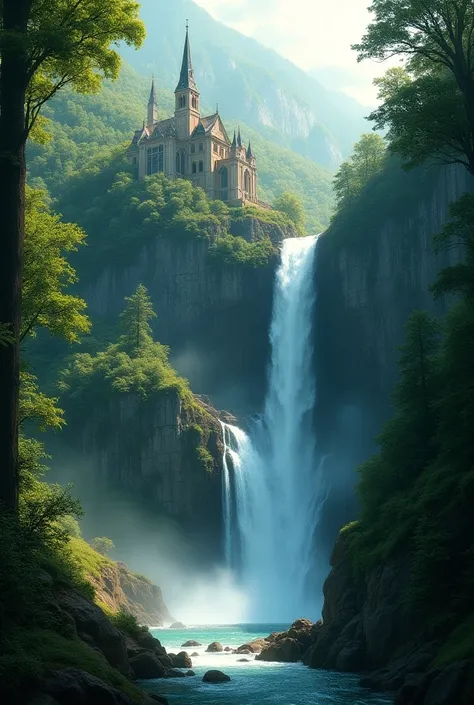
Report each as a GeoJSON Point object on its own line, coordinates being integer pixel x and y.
{"type": "Point", "coordinates": [273, 491]}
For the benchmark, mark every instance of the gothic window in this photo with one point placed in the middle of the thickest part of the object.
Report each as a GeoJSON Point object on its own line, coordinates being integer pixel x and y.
{"type": "Point", "coordinates": [193, 149]}
{"type": "Point", "coordinates": [247, 182]}
{"type": "Point", "coordinates": [182, 101]}
{"type": "Point", "coordinates": [216, 148]}
{"type": "Point", "coordinates": [224, 177]}
{"type": "Point", "coordinates": [155, 160]}
{"type": "Point", "coordinates": [180, 162]}
{"type": "Point", "coordinates": [201, 147]}
{"type": "Point", "coordinates": [194, 167]}
{"type": "Point", "coordinates": [201, 166]}
{"type": "Point", "coordinates": [195, 102]}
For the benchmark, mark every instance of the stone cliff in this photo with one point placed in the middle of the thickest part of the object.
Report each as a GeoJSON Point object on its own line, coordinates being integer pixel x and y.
{"type": "Point", "coordinates": [158, 459]}
{"type": "Point", "coordinates": [374, 267]}
{"type": "Point", "coordinates": [215, 317]}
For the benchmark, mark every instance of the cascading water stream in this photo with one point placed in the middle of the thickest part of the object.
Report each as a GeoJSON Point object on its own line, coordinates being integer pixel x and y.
{"type": "Point", "coordinates": [273, 487]}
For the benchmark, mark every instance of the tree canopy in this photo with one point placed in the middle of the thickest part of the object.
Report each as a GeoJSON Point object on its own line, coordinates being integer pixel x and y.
{"type": "Point", "coordinates": [436, 39]}
{"type": "Point", "coordinates": [367, 160]}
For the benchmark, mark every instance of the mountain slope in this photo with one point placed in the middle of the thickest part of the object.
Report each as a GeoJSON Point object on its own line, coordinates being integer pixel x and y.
{"type": "Point", "coordinates": [250, 82]}
{"type": "Point", "coordinates": [82, 126]}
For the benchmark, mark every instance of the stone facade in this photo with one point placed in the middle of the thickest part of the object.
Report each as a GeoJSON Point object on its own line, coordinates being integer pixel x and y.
{"type": "Point", "coordinates": [192, 147]}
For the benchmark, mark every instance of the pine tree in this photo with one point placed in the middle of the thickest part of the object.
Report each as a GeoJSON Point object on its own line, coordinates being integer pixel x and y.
{"type": "Point", "coordinates": [137, 333]}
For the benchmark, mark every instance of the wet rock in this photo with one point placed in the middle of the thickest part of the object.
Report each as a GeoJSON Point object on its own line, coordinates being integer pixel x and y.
{"type": "Point", "coordinates": [182, 660]}
{"type": "Point", "coordinates": [178, 625]}
{"type": "Point", "coordinates": [253, 647]}
{"type": "Point", "coordinates": [146, 666]}
{"type": "Point", "coordinates": [174, 673]}
{"type": "Point", "coordinates": [243, 660]}
{"type": "Point", "coordinates": [228, 649]}
{"type": "Point", "coordinates": [73, 687]}
{"type": "Point", "coordinates": [188, 674]}
{"type": "Point", "coordinates": [191, 642]}
{"type": "Point", "coordinates": [194, 654]}
{"type": "Point", "coordinates": [215, 677]}
{"type": "Point", "coordinates": [285, 650]}
{"type": "Point", "coordinates": [215, 647]}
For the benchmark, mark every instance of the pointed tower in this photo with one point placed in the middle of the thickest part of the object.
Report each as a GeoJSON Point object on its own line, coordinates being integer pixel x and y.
{"type": "Point", "coordinates": [186, 96]}
{"type": "Point", "coordinates": [249, 153]}
{"type": "Point", "coordinates": [152, 112]}
{"type": "Point", "coordinates": [239, 139]}
{"type": "Point", "coordinates": [233, 146]}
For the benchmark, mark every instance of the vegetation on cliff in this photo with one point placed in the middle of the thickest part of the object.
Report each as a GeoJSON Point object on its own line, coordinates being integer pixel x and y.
{"type": "Point", "coordinates": [416, 493]}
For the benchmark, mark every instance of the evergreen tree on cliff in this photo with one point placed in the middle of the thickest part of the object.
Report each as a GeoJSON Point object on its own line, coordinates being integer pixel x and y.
{"type": "Point", "coordinates": [44, 46]}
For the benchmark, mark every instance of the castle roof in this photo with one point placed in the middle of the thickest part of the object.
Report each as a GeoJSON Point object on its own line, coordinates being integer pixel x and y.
{"type": "Point", "coordinates": [152, 98]}
{"type": "Point", "coordinates": [186, 77]}
{"type": "Point", "coordinates": [249, 152]}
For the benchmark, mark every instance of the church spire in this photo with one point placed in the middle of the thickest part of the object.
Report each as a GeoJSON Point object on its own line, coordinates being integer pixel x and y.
{"type": "Point", "coordinates": [239, 139]}
{"type": "Point", "coordinates": [234, 141]}
{"type": "Point", "coordinates": [186, 77]}
{"type": "Point", "coordinates": [152, 112]}
{"type": "Point", "coordinates": [249, 152]}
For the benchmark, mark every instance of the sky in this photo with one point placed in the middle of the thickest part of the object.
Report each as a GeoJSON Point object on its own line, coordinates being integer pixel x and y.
{"type": "Point", "coordinates": [314, 34]}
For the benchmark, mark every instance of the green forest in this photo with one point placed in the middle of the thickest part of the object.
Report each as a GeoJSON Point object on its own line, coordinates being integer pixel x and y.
{"type": "Point", "coordinates": [71, 204]}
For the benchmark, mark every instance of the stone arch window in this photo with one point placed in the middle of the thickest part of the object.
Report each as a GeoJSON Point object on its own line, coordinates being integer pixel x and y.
{"type": "Point", "coordinates": [201, 166]}
{"type": "Point", "coordinates": [180, 162]}
{"type": "Point", "coordinates": [201, 147]}
{"type": "Point", "coordinates": [193, 149]}
{"type": "Point", "coordinates": [194, 168]}
{"type": "Point", "coordinates": [182, 101]}
{"type": "Point", "coordinates": [155, 160]}
{"type": "Point", "coordinates": [224, 177]}
{"type": "Point", "coordinates": [195, 102]}
{"type": "Point", "coordinates": [247, 182]}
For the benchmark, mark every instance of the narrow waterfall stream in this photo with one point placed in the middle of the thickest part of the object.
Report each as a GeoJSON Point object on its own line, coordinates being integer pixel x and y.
{"type": "Point", "coordinates": [273, 487]}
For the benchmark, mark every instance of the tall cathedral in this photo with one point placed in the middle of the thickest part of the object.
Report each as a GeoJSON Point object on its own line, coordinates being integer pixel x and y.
{"type": "Point", "coordinates": [193, 147]}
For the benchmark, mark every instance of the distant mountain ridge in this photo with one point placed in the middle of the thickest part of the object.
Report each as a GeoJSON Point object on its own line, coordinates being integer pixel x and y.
{"type": "Point", "coordinates": [250, 82]}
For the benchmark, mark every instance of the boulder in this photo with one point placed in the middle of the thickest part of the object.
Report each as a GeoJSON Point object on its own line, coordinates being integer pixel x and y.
{"type": "Point", "coordinates": [178, 625]}
{"type": "Point", "coordinates": [285, 650]}
{"type": "Point", "coordinates": [194, 654]}
{"type": "Point", "coordinates": [146, 666]}
{"type": "Point", "coordinates": [188, 674]}
{"type": "Point", "coordinates": [215, 647]}
{"type": "Point", "coordinates": [191, 642]}
{"type": "Point", "coordinates": [95, 629]}
{"type": "Point", "coordinates": [215, 677]}
{"type": "Point", "coordinates": [73, 687]}
{"type": "Point", "coordinates": [253, 647]}
{"type": "Point", "coordinates": [182, 660]}
{"type": "Point", "coordinates": [243, 660]}
{"type": "Point", "coordinates": [173, 673]}
{"type": "Point", "coordinates": [228, 649]}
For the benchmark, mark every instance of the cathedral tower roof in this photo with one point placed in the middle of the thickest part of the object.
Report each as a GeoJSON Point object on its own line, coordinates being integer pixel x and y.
{"type": "Point", "coordinates": [186, 77]}
{"type": "Point", "coordinates": [239, 139]}
{"type": "Point", "coordinates": [152, 98]}
{"type": "Point", "coordinates": [249, 152]}
{"type": "Point", "coordinates": [234, 141]}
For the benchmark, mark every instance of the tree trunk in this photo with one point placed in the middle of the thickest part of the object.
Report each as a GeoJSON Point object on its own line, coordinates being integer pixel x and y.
{"type": "Point", "coordinates": [13, 81]}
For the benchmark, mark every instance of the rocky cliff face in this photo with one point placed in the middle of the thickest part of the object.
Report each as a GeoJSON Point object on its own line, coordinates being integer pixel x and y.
{"type": "Point", "coordinates": [156, 459]}
{"type": "Point", "coordinates": [372, 271]}
{"type": "Point", "coordinates": [214, 317]}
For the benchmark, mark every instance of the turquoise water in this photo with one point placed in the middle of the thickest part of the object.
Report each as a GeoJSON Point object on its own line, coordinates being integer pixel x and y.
{"type": "Point", "coordinates": [254, 683]}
